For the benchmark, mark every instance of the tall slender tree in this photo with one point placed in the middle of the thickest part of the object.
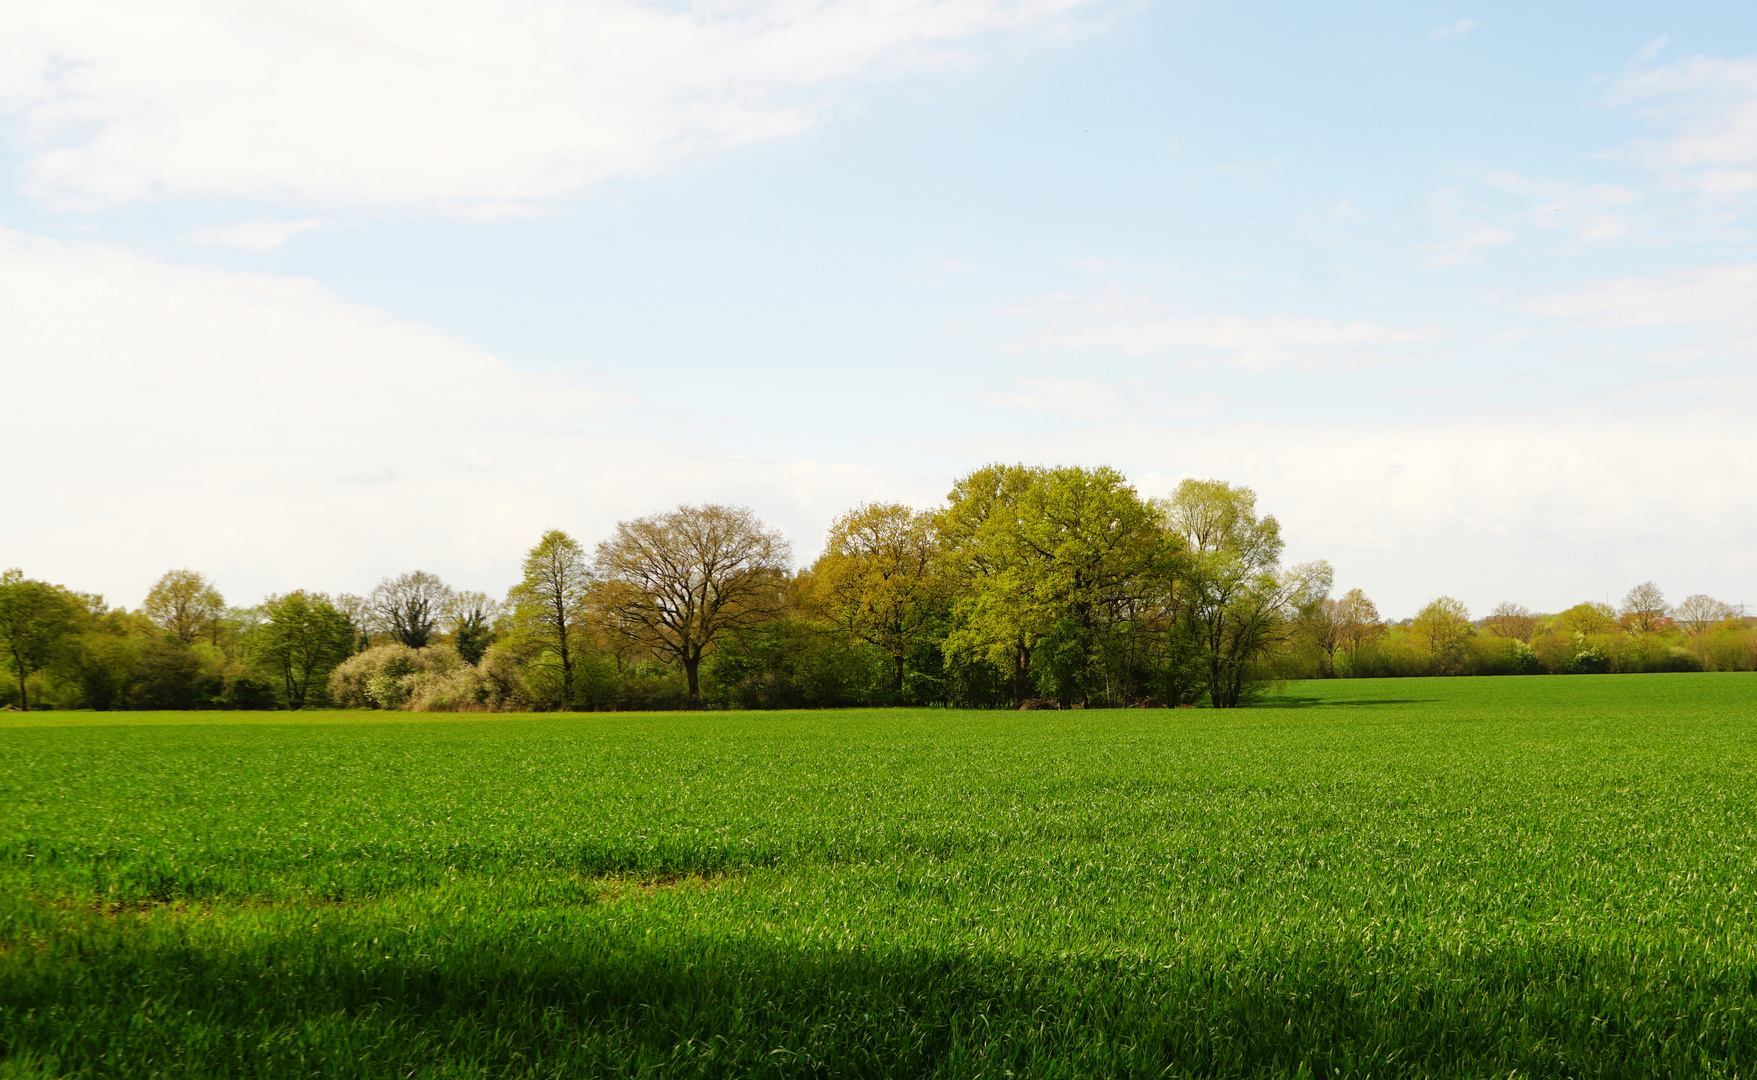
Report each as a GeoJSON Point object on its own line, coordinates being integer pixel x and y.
{"type": "Point", "coordinates": [1238, 603]}
{"type": "Point", "coordinates": [548, 608]}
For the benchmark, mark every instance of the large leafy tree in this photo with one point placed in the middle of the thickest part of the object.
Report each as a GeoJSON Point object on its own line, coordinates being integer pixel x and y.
{"type": "Point", "coordinates": [1442, 627]}
{"type": "Point", "coordinates": [36, 621]}
{"type": "Point", "coordinates": [185, 605]}
{"type": "Point", "coordinates": [679, 582]}
{"type": "Point", "coordinates": [878, 580]}
{"type": "Point", "coordinates": [1047, 556]}
{"type": "Point", "coordinates": [548, 609]}
{"type": "Point", "coordinates": [1238, 604]}
{"type": "Point", "coordinates": [301, 639]}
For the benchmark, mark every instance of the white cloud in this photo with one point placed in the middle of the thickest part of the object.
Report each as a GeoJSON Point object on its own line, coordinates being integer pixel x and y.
{"type": "Point", "coordinates": [1139, 326]}
{"type": "Point", "coordinates": [1715, 294]}
{"type": "Point", "coordinates": [1089, 399]}
{"type": "Point", "coordinates": [259, 234]}
{"type": "Point", "coordinates": [1083, 399]}
{"type": "Point", "coordinates": [263, 431]}
{"type": "Point", "coordinates": [1711, 104]}
{"type": "Point", "coordinates": [1465, 238]}
{"type": "Point", "coordinates": [466, 107]}
{"type": "Point", "coordinates": [1462, 26]}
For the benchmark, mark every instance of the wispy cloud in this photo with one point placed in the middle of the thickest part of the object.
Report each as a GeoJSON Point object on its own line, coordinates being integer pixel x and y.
{"type": "Point", "coordinates": [1137, 325]}
{"type": "Point", "coordinates": [472, 108]}
{"type": "Point", "coordinates": [1714, 294]}
{"type": "Point", "coordinates": [1710, 105]}
{"type": "Point", "coordinates": [1464, 238]}
{"type": "Point", "coordinates": [260, 234]}
{"type": "Point", "coordinates": [1462, 26]}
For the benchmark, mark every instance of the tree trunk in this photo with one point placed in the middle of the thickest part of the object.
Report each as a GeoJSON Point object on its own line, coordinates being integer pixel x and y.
{"type": "Point", "coordinates": [896, 678]}
{"type": "Point", "coordinates": [24, 701]}
{"type": "Point", "coordinates": [692, 662]}
{"type": "Point", "coordinates": [1021, 669]}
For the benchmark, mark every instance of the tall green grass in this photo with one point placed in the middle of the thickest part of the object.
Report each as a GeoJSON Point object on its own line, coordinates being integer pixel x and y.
{"type": "Point", "coordinates": [1414, 877]}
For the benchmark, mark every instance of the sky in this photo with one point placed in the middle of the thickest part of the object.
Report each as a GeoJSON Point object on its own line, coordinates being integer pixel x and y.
{"type": "Point", "coordinates": [308, 293]}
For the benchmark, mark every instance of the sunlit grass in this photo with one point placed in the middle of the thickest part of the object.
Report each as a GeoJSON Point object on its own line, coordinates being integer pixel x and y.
{"type": "Point", "coordinates": [1534, 876]}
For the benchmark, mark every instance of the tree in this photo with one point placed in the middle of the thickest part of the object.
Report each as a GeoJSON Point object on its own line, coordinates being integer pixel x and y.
{"type": "Point", "coordinates": [1699, 612]}
{"type": "Point", "coordinates": [680, 581]}
{"type": "Point", "coordinates": [301, 640]}
{"type": "Point", "coordinates": [36, 619]}
{"type": "Point", "coordinates": [1048, 556]}
{"type": "Point", "coordinates": [1592, 617]}
{"type": "Point", "coordinates": [409, 607]}
{"type": "Point", "coordinates": [1643, 609]}
{"type": "Point", "coordinates": [1320, 622]}
{"type": "Point", "coordinates": [1510, 620]}
{"type": "Point", "coordinates": [1442, 628]}
{"type": "Point", "coordinates": [1359, 624]}
{"type": "Point", "coordinates": [549, 605]}
{"type": "Point", "coordinates": [1239, 606]}
{"type": "Point", "coordinates": [878, 580]}
{"type": "Point", "coordinates": [185, 605]}
{"type": "Point", "coordinates": [471, 616]}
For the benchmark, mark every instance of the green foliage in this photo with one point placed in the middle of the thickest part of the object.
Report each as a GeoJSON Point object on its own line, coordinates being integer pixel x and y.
{"type": "Point", "coordinates": [37, 621]}
{"type": "Point", "coordinates": [1443, 877]}
{"type": "Point", "coordinates": [301, 640]}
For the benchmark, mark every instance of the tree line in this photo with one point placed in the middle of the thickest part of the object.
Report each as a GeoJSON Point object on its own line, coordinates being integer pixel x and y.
{"type": "Point", "coordinates": [1030, 587]}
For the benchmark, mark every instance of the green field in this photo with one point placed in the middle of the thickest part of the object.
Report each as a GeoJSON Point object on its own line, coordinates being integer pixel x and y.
{"type": "Point", "coordinates": [1467, 877]}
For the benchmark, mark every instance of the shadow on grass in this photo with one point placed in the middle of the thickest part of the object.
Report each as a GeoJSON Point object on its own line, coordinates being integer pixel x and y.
{"type": "Point", "coordinates": [554, 999]}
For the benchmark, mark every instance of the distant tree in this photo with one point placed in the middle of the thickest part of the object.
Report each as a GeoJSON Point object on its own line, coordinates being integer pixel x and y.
{"type": "Point", "coordinates": [1643, 609]}
{"type": "Point", "coordinates": [1358, 622]}
{"type": "Point", "coordinates": [878, 580]}
{"type": "Point", "coordinates": [1240, 605]}
{"type": "Point", "coordinates": [409, 607]}
{"type": "Point", "coordinates": [36, 620]}
{"type": "Point", "coordinates": [680, 581]}
{"type": "Point", "coordinates": [1442, 628]}
{"type": "Point", "coordinates": [1700, 612]}
{"type": "Point", "coordinates": [358, 610]}
{"type": "Point", "coordinates": [548, 607]}
{"type": "Point", "coordinates": [185, 605]}
{"type": "Point", "coordinates": [1320, 622]}
{"type": "Point", "coordinates": [1510, 620]}
{"type": "Point", "coordinates": [300, 641]}
{"type": "Point", "coordinates": [1591, 617]}
{"type": "Point", "coordinates": [471, 616]}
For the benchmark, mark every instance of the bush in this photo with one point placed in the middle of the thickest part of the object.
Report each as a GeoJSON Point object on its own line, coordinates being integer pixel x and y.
{"type": "Point", "coordinates": [395, 677]}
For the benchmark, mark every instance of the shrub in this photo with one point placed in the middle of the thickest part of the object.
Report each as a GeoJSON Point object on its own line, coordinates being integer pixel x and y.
{"type": "Point", "coordinates": [388, 677]}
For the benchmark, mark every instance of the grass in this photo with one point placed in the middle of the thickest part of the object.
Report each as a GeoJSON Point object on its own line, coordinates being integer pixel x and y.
{"type": "Point", "coordinates": [1417, 877]}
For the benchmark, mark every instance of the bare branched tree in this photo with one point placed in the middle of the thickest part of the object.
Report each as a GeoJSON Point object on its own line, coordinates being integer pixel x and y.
{"type": "Point", "coordinates": [409, 607]}
{"type": "Point", "coordinates": [1643, 609]}
{"type": "Point", "coordinates": [1510, 620]}
{"type": "Point", "coordinates": [1699, 612]}
{"type": "Point", "coordinates": [681, 581]}
{"type": "Point", "coordinates": [1359, 624]}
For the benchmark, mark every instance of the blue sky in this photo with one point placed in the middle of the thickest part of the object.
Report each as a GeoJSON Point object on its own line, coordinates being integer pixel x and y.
{"type": "Point", "coordinates": [309, 294]}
